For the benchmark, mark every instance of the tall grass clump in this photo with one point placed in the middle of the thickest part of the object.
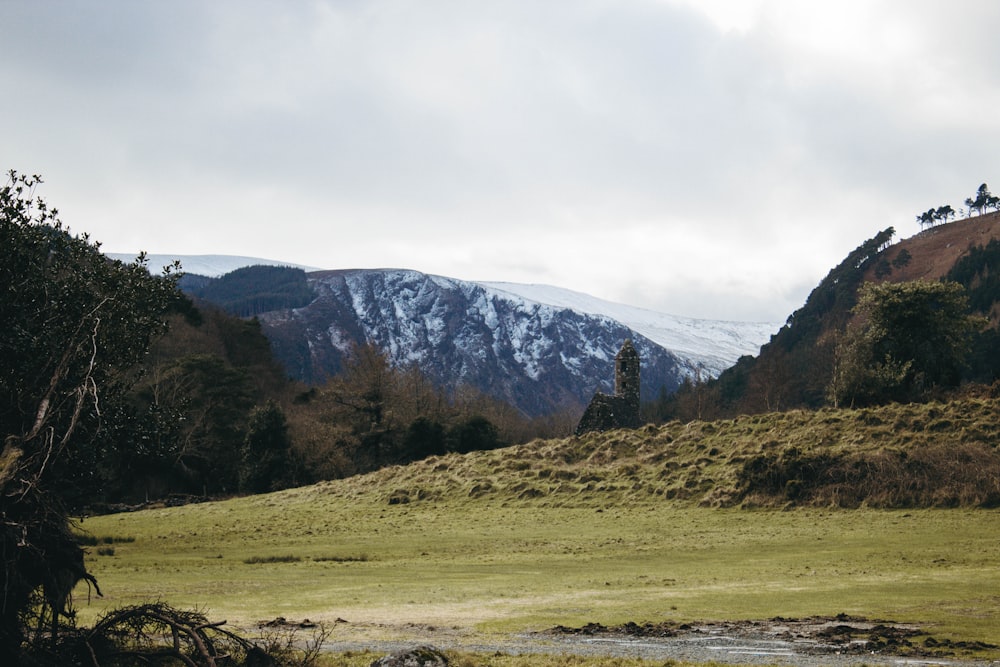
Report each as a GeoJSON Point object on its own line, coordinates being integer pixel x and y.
{"type": "Point", "coordinates": [266, 560]}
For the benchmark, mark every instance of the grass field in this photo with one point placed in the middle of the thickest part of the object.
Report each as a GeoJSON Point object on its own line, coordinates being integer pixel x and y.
{"type": "Point", "coordinates": [506, 566]}
{"type": "Point", "coordinates": [650, 525]}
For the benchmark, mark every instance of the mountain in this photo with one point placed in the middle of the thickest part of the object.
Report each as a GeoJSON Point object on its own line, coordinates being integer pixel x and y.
{"type": "Point", "coordinates": [708, 345]}
{"type": "Point", "coordinates": [540, 348]}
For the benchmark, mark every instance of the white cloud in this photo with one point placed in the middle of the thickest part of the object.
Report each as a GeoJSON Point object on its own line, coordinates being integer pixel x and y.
{"type": "Point", "coordinates": [709, 157]}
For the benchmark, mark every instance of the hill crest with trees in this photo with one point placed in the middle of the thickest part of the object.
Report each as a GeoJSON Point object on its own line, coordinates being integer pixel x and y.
{"type": "Point", "coordinates": [795, 368]}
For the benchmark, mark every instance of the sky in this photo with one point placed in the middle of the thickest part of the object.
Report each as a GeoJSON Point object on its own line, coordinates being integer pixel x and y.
{"type": "Point", "coordinates": [705, 158]}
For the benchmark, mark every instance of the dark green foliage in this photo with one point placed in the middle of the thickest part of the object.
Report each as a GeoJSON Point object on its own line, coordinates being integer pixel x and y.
{"type": "Point", "coordinates": [424, 437]}
{"type": "Point", "coordinates": [940, 214]}
{"type": "Point", "coordinates": [944, 213]}
{"type": "Point", "coordinates": [882, 268]}
{"type": "Point", "coordinates": [267, 460]}
{"type": "Point", "coordinates": [187, 418]}
{"type": "Point", "coordinates": [979, 272]}
{"type": "Point", "coordinates": [252, 290]}
{"type": "Point", "coordinates": [795, 366]}
{"type": "Point", "coordinates": [472, 434]}
{"type": "Point", "coordinates": [829, 305]}
{"type": "Point", "coordinates": [983, 362]}
{"type": "Point", "coordinates": [213, 399]}
{"type": "Point", "coordinates": [75, 327]}
{"type": "Point", "coordinates": [983, 200]}
{"type": "Point", "coordinates": [926, 218]}
{"type": "Point", "coordinates": [908, 338]}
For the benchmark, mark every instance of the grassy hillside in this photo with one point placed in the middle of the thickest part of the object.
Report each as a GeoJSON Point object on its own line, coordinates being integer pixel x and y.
{"type": "Point", "coordinates": [672, 523]}
{"type": "Point", "coordinates": [929, 455]}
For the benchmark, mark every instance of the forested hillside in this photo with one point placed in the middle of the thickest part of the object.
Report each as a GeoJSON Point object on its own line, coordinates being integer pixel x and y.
{"type": "Point", "coordinates": [252, 290]}
{"type": "Point", "coordinates": [213, 414]}
{"type": "Point", "coordinates": [796, 368]}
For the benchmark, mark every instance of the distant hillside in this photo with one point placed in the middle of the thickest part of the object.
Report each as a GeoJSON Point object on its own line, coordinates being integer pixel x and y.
{"type": "Point", "coordinates": [252, 290]}
{"type": "Point", "coordinates": [211, 266]}
{"type": "Point", "coordinates": [794, 368]}
{"type": "Point", "coordinates": [710, 346]}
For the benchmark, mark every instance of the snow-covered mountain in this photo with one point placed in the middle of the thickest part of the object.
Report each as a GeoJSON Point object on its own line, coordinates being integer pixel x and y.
{"type": "Point", "coordinates": [538, 357]}
{"type": "Point", "coordinates": [709, 345]}
{"type": "Point", "coordinates": [539, 347]}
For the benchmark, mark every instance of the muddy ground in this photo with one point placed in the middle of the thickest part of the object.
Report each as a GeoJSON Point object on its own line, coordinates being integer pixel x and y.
{"type": "Point", "coordinates": [838, 641]}
{"type": "Point", "coordinates": [818, 640]}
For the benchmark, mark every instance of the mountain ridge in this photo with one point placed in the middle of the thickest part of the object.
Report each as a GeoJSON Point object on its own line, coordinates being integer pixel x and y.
{"type": "Point", "coordinates": [539, 358]}
{"type": "Point", "coordinates": [687, 335]}
{"type": "Point", "coordinates": [541, 348]}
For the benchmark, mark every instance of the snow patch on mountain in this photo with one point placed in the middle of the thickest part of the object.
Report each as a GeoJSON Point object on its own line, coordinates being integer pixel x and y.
{"type": "Point", "coordinates": [415, 318]}
{"type": "Point", "coordinates": [709, 345]}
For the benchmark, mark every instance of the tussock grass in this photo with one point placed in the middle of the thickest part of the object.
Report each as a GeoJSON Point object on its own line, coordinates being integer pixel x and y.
{"type": "Point", "coordinates": [88, 540]}
{"type": "Point", "coordinates": [736, 519]}
{"type": "Point", "coordinates": [261, 560]}
{"type": "Point", "coordinates": [898, 456]}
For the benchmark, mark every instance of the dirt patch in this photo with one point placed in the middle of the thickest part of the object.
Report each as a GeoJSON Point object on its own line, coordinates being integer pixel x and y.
{"type": "Point", "coordinates": [840, 641]}
{"type": "Point", "coordinates": [841, 635]}
{"type": "Point", "coordinates": [935, 250]}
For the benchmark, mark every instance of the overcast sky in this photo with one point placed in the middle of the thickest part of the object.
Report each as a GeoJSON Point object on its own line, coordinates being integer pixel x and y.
{"type": "Point", "coordinates": [704, 158]}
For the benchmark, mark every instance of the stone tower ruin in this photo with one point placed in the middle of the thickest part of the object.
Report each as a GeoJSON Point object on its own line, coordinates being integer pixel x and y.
{"type": "Point", "coordinates": [620, 410]}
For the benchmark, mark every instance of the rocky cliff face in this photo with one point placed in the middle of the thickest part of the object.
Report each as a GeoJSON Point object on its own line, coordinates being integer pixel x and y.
{"type": "Point", "coordinates": [538, 357]}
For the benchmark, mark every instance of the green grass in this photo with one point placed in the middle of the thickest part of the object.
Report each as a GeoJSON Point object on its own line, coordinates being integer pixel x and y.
{"type": "Point", "coordinates": [522, 565]}
{"type": "Point", "coordinates": [567, 532]}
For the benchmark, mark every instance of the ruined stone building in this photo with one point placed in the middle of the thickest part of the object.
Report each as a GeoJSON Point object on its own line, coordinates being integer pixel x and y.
{"type": "Point", "coordinates": [620, 410]}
